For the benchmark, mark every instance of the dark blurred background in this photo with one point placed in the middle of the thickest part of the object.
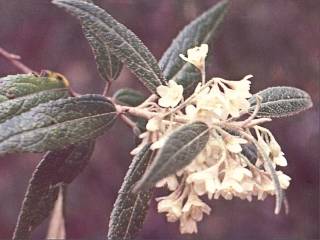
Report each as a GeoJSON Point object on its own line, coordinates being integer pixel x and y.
{"type": "Point", "coordinates": [275, 40]}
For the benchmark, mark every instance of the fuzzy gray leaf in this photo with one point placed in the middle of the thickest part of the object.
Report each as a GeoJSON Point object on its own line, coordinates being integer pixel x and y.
{"type": "Point", "coordinates": [129, 97]}
{"type": "Point", "coordinates": [122, 42]}
{"type": "Point", "coordinates": [201, 30]}
{"type": "Point", "coordinates": [56, 168]}
{"type": "Point", "coordinates": [108, 65]}
{"type": "Point", "coordinates": [281, 102]}
{"type": "Point", "coordinates": [57, 124]}
{"type": "Point", "coordinates": [130, 209]}
{"type": "Point", "coordinates": [19, 93]}
{"type": "Point", "coordinates": [182, 146]}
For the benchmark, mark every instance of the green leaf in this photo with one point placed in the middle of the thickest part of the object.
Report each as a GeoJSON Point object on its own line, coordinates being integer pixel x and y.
{"type": "Point", "coordinates": [108, 65]}
{"type": "Point", "coordinates": [20, 93]}
{"type": "Point", "coordinates": [55, 169]}
{"type": "Point", "coordinates": [281, 102]}
{"type": "Point", "coordinates": [130, 209]}
{"type": "Point", "coordinates": [121, 41]}
{"type": "Point", "coordinates": [57, 124]}
{"type": "Point", "coordinates": [181, 147]}
{"type": "Point", "coordinates": [199, 31]}
{"type": "Point", "coordinates": [11, 108]}
{"type": "Point", "coordinates": [129, 97]}
{"type": "Point", "coordinates": [21, 85]}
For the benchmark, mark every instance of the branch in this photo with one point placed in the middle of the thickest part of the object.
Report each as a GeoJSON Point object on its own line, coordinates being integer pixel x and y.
{"type": "Point", "coordinates": [15, 60]}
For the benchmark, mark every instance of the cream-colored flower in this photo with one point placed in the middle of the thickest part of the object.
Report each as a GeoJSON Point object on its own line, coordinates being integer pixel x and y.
{"type": "Point", "coordinates": [233, 143]}
{"type": "Point", "coordinates": [277, 155]}
{"type": "Point", "coordinates": [172, 205]}
{"type": "Point", "coordinates": [206, 181]}
{"type": "Point", "coordinates": [283, 179]}
{"type": "Point", "coordinates": [159, 143]}
{"type": "Point", "coordinates": [187, 224]}
{"type": "Point", "coordinates": [153, 124]}
{"type": "Point", "coordinates": [196, 56]}
{"type": "Point", "coordinates": [237, 182]}
{"type": "Point", "coordinates": [239, 88]}
{"type": "Point", "coordinates": [171, 182]}
{"type": "Point", "coordinates": [170, 95]}
{"type": "Point", "coordinates": [195, 207]}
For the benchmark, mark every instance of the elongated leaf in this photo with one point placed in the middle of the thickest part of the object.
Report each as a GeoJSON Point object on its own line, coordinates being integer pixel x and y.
{"type": "Point", "coordinates": [129, 97]}
{"type": "Point", "coordinates": [182, 146]}
{"type": "Point", "coordinates": [108, 65]}
{"type": "Point", "coordinates": [281, 102]}
{"type": "Point", "coordinates": [130, 209]}
{"type": "Point", "coordinates": [57, 124]}
{"type": "Point", "coordinates": [56, 168]}
{"type": "Point", "coordinates": [121, 41]}
{"type": "Point", "coordinates": [14, 107]}
{"type": "Point", "coordinates": [201, 30]}
{"type": "Point", "coordinates": [21, 85]}
{"type": "Point", "coordinates": [20, 93]}
{"type": "Point", "coordinates": [250, 152]}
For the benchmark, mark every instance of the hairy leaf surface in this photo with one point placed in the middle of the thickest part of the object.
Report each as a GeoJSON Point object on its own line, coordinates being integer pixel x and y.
{"type": "Point", "coordinates": [20, 93]}
{"type": "Point", "coordinates": [129, 97]}
{"type": "Point", "coordinates": [57, 124]}
{"type": "Point", "coordinates": [201, 30]}
{"type": "Point", "coordinates": [21, 85]}
{"type": "Point", "coordinates": [55, 169]}
{"type": "Point", "coordinates": [181, 147]}
{"type": "Point", "coordinates": [281, 102]}
{"type": "Point", "coordinates": [122, 42]}
{"type": "Point", "coordinates": [130, 209]}
{"type": "Point", "coordinates": [108, 65]}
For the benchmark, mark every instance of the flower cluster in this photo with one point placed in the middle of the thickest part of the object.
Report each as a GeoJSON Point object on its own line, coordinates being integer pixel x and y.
{"type": "Point", "coordinates": [223, 169]}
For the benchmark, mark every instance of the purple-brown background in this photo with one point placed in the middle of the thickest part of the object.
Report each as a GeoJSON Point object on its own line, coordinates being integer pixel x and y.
{"type": "Point", "coordinates": [275, 40]}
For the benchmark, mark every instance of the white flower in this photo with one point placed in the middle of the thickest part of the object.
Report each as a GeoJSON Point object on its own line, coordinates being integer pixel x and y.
{"type": "Point", "coordinates": [171, 205]}
{"type": "Point", "coordinates": [170, 181]}
{"type": "Point", "coordinates": [170, 95]}
{"type": "Point", "coordinates": [233, 143]}
{"type": "Point", "coordinates": [153, 124]}
{"type": "Point", "coordinates": [277, 155]}
{"type": "Point", "coordinates": [187, 224]}
{"type": "Point", "coordinates": [206, 181]}
{"type": "Point", "coordinates": [237, 182]}
{"type": "Point", "coordinates": [236, 94]}
{"type": "Point", "coordinates": [159, 143]}
{"type": "Point", "coordinates": [196, 56]}
{"type": "Point", "coordinates": [283, 179]}
{"type": "Point", "coordinates": [240, 88]}
{"type": "Point", "coordinates": [195, 207]}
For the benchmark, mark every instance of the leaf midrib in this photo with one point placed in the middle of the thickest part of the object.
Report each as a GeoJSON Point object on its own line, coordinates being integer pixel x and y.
{"type": "Point", "coordinates": [123, 39]}
{"type": "Point", "coordinates": [57, 125]}
{"type": "Point", "coordinates": [183, 148]}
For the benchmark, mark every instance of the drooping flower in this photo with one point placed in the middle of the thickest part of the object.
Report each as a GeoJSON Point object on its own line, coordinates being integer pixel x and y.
{"type": "Point", "coordinates": [171, 182]}
{"type": "Point", "coordinates": [196, 56]}
{"type": "Point", "coordinates": [233, 143]}
{"type": "Point", "coordinates": [153, 124]}
{"type": "Point", "coordinates": [171, 205]}
{"type": "Point", "coordinates": [224, 168]}
{"type": "Point", "coordinates": [170, 95]}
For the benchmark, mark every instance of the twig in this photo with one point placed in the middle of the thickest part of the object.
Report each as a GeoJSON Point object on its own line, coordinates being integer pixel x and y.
{"type": "Point", "coordinates": [14, 59]}
{"type": "Point", "coordinates": [255, 112]}
{"type": "Point", "coordinates": [106, 89]}
{"type": "Point", "coordinates": [128, 121]}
